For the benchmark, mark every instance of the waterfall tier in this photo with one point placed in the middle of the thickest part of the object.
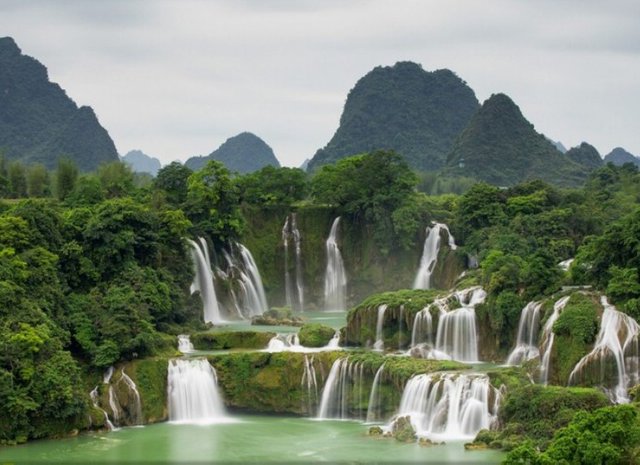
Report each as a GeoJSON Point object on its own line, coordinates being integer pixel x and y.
{"type": "Point", "coordinates": [527, 341]}
{"type": "Point", "coordinates": [616, 345]}
{"type": "Point", "coordinates": [193, 395]}
{"type": "Point", "coordinates": [335, 278]}
{"type": "Point", "coordinates": [449, 406]}
{"type": "Point", "coordinates": [547, 338]}
{"type": "Point", "coordinates": [294, 294]}
{"type": "Point", "coordinates": [430, 252]}
{"type": "Point", "coordinates": [203, 281]}
{"type": "Point", "coordinates": [344, 382]}
{"type": "Point", "coordinates": [184, 343]}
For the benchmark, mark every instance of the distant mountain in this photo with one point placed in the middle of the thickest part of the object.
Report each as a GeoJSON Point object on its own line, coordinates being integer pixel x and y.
{"type": "Point", "coordinates": [305, 164]}
{"type": "Point", "coordinates": [243, 153]}
{"type": "Point", "coordinates": [501, 147]}
{"type": "Point", "coordinates": [405, 108]}
{"type": "Point", "coordinates": [620, 156]}
{"type": "Point", "coordinates": [142, 163]}
{"type": "Point", "coordinates": [559, 145]}
{"type": "Point", "coordinates": [39, 122]}
{"type": "Point", "coordinates": [585, 155]}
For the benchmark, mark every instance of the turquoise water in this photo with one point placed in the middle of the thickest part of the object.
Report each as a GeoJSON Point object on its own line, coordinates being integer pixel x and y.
{"type": "Point", "coordinates": [251, 439]}
{"type": "Point", "coordinates": [335, 320]}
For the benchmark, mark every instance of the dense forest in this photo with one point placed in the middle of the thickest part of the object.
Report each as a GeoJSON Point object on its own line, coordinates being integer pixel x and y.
{"type": "Point", "coordinates": [95, 270]}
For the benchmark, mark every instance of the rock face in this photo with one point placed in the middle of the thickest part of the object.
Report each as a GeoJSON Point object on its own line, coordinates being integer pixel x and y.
{"type": "Point", "coordinates": [585, 155]}
{"type": "Point", "coordinates": [243, 153]}
{"type": "Point", "coordinates": [140, 162]}
{"type": "Point", "coordinates": [501, 147]}
{"type": "Point", "coordinates": [405, 108]}
{"type": "Point", "coordinates": [39, 122]}
{"type": "Point", "coordinates": [620, 156]}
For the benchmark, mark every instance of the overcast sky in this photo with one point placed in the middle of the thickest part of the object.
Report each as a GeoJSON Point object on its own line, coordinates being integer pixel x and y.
{"type": "Point", "coordinates": [177, 78]}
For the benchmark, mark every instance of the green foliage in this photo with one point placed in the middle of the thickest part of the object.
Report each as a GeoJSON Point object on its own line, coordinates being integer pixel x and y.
{"type": "Point", "coordinates": [315, 335]}
{"type": "Point", "coordinates": [116, 179]}
{"type": "Point", "coordinates": [66, 177]}
{"type": "Point", "coordinates": [172, 180]}
{"type": "Point", "coordinates": [38, 182]}
{"type": "Point", "coordinates": [273, 186]}
{"type": "Point", "coordinates": [17, 175]}
{"type": "Point", "coordinates": [225, 340]}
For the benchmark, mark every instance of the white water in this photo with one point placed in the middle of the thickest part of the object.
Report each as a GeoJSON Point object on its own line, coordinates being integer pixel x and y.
{"type": "Point", "coordinates": [344, 381]}
{"type": "Point", "coordinates": [617, 341]}
{"type": "Point", "coordinates": [527, 341]}
{"type": "Point", "coordinates": [294, 299]}
{"type": "Point", "coordinates": [456, 334]}
{"type": "Point", "coordinates": [203, 281]}
{"type": "Point", "coordinates": [565, 264]}
{"type": "Point", "coordinates": [379, 344]}
{"type": "Point", "coordinates": [256, 298]}
{"type": "Point", "coordinates": [430, 255]}
{"type": "Point", "coordinates": [291, 343]}
{"type": "Point", "coordinates": [193, 395]}
{"type": "Point", "coordinates": [422, 331]}
{"type": "Point", "coordinates": [449, 406]}
{"type": "Point", "coordinates": [548, 337]}
{"type": "Point", "coordinates": [310, 380]}
{"type": "Point", "coordinates": [373, 410]}
{"type": "Point", "coordinates": [184, 344]}
{"type": "Point", "coordinates": [136, 415]}
{"type": "Point", "coordinates": [94, 399]}
{"type": "Point", "coordinates": [335, 278]}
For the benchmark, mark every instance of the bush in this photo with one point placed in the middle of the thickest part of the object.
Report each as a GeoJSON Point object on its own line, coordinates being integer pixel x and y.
{"type": "Point", "coordinates": [315, 335]}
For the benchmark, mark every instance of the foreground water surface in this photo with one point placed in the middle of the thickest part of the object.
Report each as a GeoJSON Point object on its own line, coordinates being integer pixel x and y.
{"type": "Point", "coordinates": [249, 439]}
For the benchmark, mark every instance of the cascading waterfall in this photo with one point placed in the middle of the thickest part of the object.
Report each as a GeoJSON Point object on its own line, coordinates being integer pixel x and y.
{"type": "Point", "coordinates": [528, 328]}
{"type": "Point", "coordinates": [456, 335]}
{"type": "Point", "coordinates": [258, 299]}
{"type": "Point", "coordinates": [294, 299]}
{"type": "Point", "coordinates": [95, 401]}
{"type": "Point", "coordinates": [136, 416]}
{"type": "Point", "coordinates": [203, 281]}
{"type": "Point", "coordinates": [242, 272]}
{"type": "Point", "coordinates": [193, 395]}
{"type": "Point", "coordinates": [284, 343]}
{"type": "Point", "coordinates": [430, 255]}
{"type": "Point", "coordinates": [449, 406]}
{"type": "Point", "coordinates": [311, 382]}
{"type": "Point", "coordinates": [422, 330]}
{"type": "Point", "coordinates": [374, 407]}
{"type": "Point", "coordinates": [335, 278]}
{"type": "Point", "coordinates": [379, 344]}
{"type": "Point", "coordinates": [548, 337]}
{"type": "Point", "coordinates": [184, 343]}
{"type": "Point", "coordinates": [344, 382]}
{"type": "Point", "coordinates": [617, 341]}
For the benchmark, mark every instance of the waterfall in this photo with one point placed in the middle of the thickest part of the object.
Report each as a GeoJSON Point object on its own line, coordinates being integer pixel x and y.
{"type": "Point", "coordinates": [547, 338]}
{"type": "Point", "coordinates": [184, 344]}
{"type": "Point", "coordinates": [136, 416]}
{"type": "Point", "coordinates": [449, 406]}
{"type": "Point", "coordinates": [617, 341]}
{"type": "Point", "coordinates": [566, 264]}
{"type": "Point", "coordinates": [456, 335]}
{"type": "Point", "coordinates": [95, 401]}
{"type": "Point", "coordinates": [284, 343]}
{"type": "Point", "coordinates": [310, 381]}
{"type": "Point", "coordinates": [526, 344]}
{"type": "Point", "coordinates": [422, 327]}
{"type": "Point", "coordinates": [193, 395]}
{"type": "Point", "coordinates": [343, 384]}
{"type": "Point", "coordinates": [290, 231]}
{"type": "Point", "coordinates": [373, 410]}
{"type": "Point", "coordinates": [335, 278]}
{"type": "Point", "coordinates": [430, 255]}
{"type": "Point", "coordinates": [114, 405]}
{"type": "Point", "coordinates": [203, 281]}
{"type": "Point", "coordinates": [258, 299]}
{"type": "Point", "coordinates": [379, 344]}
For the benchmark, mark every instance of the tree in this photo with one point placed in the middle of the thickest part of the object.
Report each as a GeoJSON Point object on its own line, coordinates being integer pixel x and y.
{"type": "Point", "coordinates": [17, 180]}
{"type": "Point", "coordinates": [66, 176]}
{"type": "Point", "coordinates": [116, 179]}
{"type": "Point", "coordinates": [273, 186]}
{"type": "Point", "coordinates": [173, 180]}
{"type": "Point", "coordinates": [38, 184]}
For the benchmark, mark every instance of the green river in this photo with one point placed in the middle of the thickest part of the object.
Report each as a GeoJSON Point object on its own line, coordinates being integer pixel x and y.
{"type": "Point", "coordinates": [249, 439]}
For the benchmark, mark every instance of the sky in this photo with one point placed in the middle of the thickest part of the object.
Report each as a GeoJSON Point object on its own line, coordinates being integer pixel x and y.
{"type": "Point", "coordinates": [177, 78]}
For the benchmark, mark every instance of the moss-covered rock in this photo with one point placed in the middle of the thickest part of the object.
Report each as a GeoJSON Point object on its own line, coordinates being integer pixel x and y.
{"type": "Point", "coordinates": [315, 335]}
{"type": "Point", "coordinates": [225, 340]}
{"type": "Point", "coordinates": [403, 430]}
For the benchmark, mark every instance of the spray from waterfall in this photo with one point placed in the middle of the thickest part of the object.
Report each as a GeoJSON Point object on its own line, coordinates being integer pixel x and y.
{"type": "Point", "coordinates": [335, 279]}
{"type": "Point", "coordinates": [616, 342]}
{"type": "Point", "coordinates": [528, 328]}
{"type": "Point", "coordinates": [184, 344]}
{"type": "Point", "coordinates": [430, 252]}
{"type": "Point", "coordinates": [203, 281]}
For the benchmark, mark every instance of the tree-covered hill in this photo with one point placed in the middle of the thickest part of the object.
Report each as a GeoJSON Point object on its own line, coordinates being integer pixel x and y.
{"type": "Point", "coordinates": [243, 153]}
{"type": "Point", "coordinates": [404, 108]}
{"type": "Point", "coordinates": [585, 155]}
{"type": "Point", "coordinates": [501, 147]}
{"type": "Point", "coordinates": [39, 123]}
{"type": "Point", "coordinates": [620, 156]}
